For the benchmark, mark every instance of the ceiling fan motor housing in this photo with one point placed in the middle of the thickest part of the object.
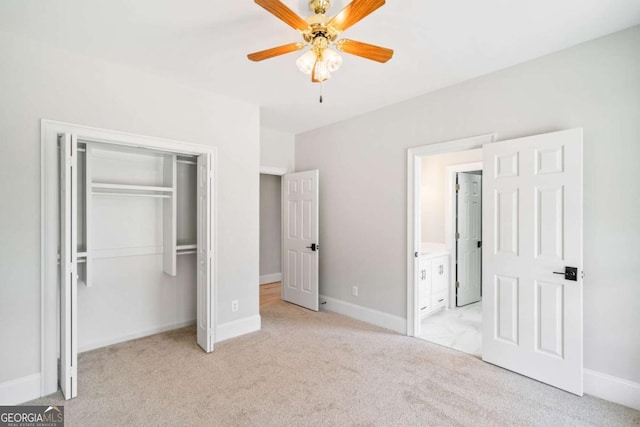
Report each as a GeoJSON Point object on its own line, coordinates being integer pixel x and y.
{"type": "Point", "coordinates": [318, 28]}
{"type": "Point", "coordinates": [319, 6]}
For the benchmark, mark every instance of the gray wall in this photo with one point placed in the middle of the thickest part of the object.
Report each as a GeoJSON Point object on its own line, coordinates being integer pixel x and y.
{"type": "Point", "coordinates": [270, 225]}
{"type": "Point", "coordinates": [433, 201]}
{"type": "Point", "coordinates": [277, 149]}
{"type": "Point", "coordinates": [362, 163]}
{"type": "Point", "coordinates": [38, 82]}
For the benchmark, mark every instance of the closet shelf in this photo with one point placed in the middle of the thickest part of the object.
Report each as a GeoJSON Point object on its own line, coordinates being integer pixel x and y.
{"type": "Point", "coordinates": [186, 247]}
{"type": "Point", "coordinates": [157, 196]}
{"type": "Point", "coordinates": [126, 187]}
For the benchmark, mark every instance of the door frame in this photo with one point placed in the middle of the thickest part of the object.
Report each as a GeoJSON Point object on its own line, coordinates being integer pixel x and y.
{"type": "Point", "coordinates": [281, 172]}
{"type": "Point", "coordinates": [449, 221]}
{"type": "Point", "coordinates": [414, 187]}
{"type": "Point", "coordinates": [49, 318]}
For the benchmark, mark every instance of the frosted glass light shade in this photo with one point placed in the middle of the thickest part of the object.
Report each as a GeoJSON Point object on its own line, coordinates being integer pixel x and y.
{"type": "Point", "coordinates": [333, 60]}
{"type": "Point", "coordinates": [306, 62]}
{"type": "Point", "coordinates": [321, 71]}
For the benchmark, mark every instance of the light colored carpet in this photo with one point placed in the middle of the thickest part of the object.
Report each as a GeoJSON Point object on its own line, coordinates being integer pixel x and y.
{"type": "Point", "coordinates": [459, 328]}
{"type": "Point", "coordinates": [307, 368]}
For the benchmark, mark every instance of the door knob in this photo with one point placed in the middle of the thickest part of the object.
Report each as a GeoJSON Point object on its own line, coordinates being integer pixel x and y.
{"type": "Point", "coordinates": [313, 247]}
{"type": "Point", "coordinates": [569, 273]}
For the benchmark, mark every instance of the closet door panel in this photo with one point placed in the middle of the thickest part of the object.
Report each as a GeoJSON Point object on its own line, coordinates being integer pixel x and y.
{"type": "Point", "coordinates": [68, 266]}
{"type": "Point", "coordinates": [204, 258]}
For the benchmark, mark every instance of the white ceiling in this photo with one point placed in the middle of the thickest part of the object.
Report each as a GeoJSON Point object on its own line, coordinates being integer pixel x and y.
{"type": "Point", "coordinates": [204, 43]}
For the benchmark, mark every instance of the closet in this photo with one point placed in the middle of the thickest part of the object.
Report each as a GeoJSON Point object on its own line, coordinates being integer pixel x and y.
{"type": "Point", "coordinates": [135, 245]}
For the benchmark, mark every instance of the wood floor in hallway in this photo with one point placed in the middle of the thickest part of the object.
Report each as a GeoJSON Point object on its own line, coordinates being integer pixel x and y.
{"type": "Point", "coordinates": [270, 293]}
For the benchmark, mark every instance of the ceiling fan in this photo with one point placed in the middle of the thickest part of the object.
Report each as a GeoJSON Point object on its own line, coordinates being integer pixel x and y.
{"type": "Point", "coordinates": [320, 31]}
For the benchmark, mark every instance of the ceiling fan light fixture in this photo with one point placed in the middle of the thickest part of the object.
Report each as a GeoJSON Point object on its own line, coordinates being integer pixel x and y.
{"type": "Point", "coordinates": [333, 60]}
{"type": "Point", "coordinates": [320, 31]}
{"type": "Point", "coordinates": [307, 61]}
{"type": "Point", "coordinates": [321, 71]}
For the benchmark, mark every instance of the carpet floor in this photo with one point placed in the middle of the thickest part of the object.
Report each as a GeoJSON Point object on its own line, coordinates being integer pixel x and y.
{"type": "Point", "coordinates": [306, 368]}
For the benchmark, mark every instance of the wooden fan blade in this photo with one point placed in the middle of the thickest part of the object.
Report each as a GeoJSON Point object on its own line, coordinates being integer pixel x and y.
{"type": "Point", "coordinates": [364, 50]}
{"type": "Point", "coordinates": [354, 12]}
{"type": "Point", "coordinates": [281, 11]}
{"type": "Point", "coordinates": [275, 51]}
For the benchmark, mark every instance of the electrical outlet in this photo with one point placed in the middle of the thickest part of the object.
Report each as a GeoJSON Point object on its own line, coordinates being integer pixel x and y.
{"type": "Point", "coordinates": [234, 305]}
{"type": "Point", "coordinates": [354, 291]}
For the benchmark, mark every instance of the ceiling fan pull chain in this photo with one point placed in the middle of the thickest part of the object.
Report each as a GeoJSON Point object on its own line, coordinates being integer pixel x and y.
{"type": "Point", "coordinates": [320, 92]}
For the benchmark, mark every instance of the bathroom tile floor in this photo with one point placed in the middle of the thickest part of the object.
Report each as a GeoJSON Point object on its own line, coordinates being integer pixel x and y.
{"type": "Point", "coordinates": [459, 328]}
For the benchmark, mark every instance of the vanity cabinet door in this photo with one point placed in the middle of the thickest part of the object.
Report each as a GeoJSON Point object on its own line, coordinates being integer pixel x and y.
{"type": "Point", "coordinates": [424, 284]}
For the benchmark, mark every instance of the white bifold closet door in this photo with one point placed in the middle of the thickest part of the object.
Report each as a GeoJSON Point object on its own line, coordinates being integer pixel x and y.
{"type": "Point", "coordinates": [69, 258]}
{"type": "Point", "coordinates": [68, 266]}
{"type": "Point", "coordinates": [204, 257]}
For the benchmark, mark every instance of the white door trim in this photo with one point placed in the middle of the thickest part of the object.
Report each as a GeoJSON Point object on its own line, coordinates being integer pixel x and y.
{"type": "Point", "coordinates": [49, 325]}
{"type": "Point", "coordinates": [414, 158]}
{"type": "Point", "coordinates": [449, 220]}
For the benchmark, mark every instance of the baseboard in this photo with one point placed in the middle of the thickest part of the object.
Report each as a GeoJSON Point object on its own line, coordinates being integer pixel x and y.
{"type": "Point", "coordinates": [369, 315]}
{"type": "Point", "coordinates": [141, 334]}
{"type": "Point", "coordinates": [612, 388]}
{"type": "Point", "coordinates": [20, 390]}
{"type": "Point", "coordinates": [270, 278]}
{"type": "Point", "coordinates": [238, 327]}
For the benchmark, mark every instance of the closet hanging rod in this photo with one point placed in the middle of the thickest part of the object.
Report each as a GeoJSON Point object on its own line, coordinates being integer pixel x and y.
{"type": "Point", "coordinates": [186, 253]}
{"type": "Point", "coordinates": [156, 196]}
{"type": "Point", "coordinates": [187, 162]}
{"type": "Point", "coordinates": [186, 247]}
{"type": "Point", "coordinates": [107, 186]}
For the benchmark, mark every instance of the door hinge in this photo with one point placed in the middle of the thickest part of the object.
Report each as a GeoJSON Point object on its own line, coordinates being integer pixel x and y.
{"type": "Point", "coordinates": [457, 187]}
{"type": "Point", "coordinates": [457, 285]}
{"type": "Point", "coordinates": [457, 236]}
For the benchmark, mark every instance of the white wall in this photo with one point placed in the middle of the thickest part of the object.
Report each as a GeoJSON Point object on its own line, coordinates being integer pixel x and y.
{"type": "Point", "coordinates": [270, 225]}
{"type": "Point", "coordinates": [434, 187]}
{"type": "Point", "coordinates": [277, 149]}
{"type": "Point", "coordinates": [40, 82]}
{"type": "Point", "coordinates": [363, 172]}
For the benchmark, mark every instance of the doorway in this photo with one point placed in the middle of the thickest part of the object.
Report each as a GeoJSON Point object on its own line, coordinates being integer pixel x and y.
{"type": "Point", "coordinates": [450, 250]}
{"type": "Point", "coordinates": [270, 239]}
{"type": "Point", "coordinates": [298, 233]}
{"type": "Point", "coordinates": [532, 231]}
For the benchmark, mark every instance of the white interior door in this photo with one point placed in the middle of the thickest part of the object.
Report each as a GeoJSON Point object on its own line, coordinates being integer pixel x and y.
{"type": "Point", "coordinates": [204, 297]}
{"type": "Point", "coordinates": [300, 238]}
{"type": "Point", "coordinates": [532, 222]}
{"type": "Point", "coordinates": [68, 266]}
{"type": "Point", "coordinates": [469, 238]}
